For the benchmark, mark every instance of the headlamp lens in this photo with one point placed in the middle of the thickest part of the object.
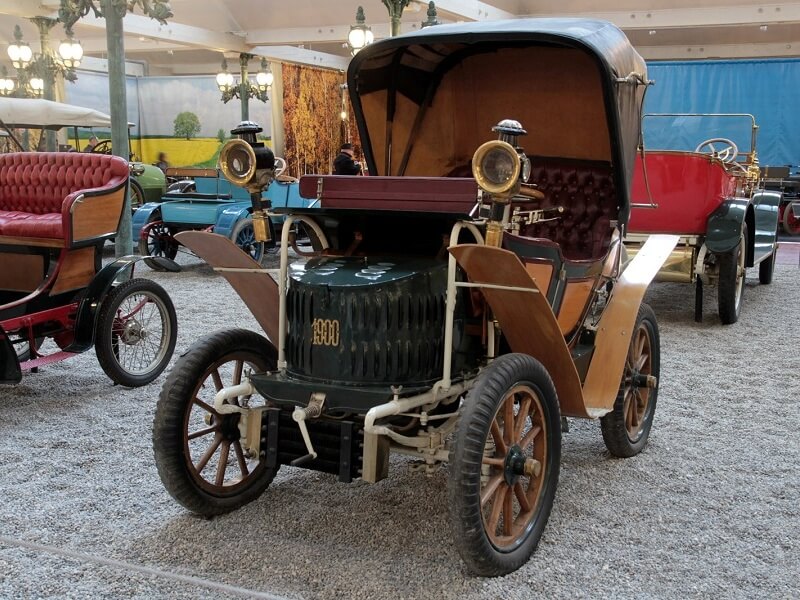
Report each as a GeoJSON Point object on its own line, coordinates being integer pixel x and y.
{"type": "Point", "coordinates": [498, 166]}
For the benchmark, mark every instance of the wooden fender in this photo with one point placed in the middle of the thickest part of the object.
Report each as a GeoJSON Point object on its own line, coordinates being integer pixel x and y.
{"type": "Point", "coordinates": [525, 317]}
{"type": "Point", "coordinates": [615, 328]}
{"type": "Point", "coordinates": [255, 287]}
{"type": "Point", "coordinates": [529, 325]}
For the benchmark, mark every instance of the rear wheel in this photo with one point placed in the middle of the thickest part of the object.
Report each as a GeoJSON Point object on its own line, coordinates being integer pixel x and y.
{"type": "Point", "coordinates": [627, 427]}
{"type": "Point", "coordinates": [731, 280]}
{"type": "Point", "coordinates": [791, 224]}
{"type": "Point", "coordinates": [136, 332]}
{"type": "Point", "coordinates": [504, 465]}
{"type": "Point", "coordinates": [244, 236]}
{"type": "Point", "coordinates": [159, 242]}
{"type": "Point", "coordinates": [201, 456]}
{"type": "Point", "coordinates": [766, 268]}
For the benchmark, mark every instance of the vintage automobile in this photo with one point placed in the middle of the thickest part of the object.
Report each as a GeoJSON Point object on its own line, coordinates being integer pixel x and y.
{"type": "Point", "coordinates": [444, 317]}
{"type": "Point", "coordinates": [783, 180]}
{"type": "Point", "coordinates": [711, 195]}
{"type": "Point", "coordinates": [52, 285]}
{"type": "Point", "coordinates": [206, 200]}
{"type": "Point", "coordinates": [148, 182]}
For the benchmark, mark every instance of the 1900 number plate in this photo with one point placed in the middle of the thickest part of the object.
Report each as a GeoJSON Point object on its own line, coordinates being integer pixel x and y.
{"type": "Point", "coordinates": [326, 332]}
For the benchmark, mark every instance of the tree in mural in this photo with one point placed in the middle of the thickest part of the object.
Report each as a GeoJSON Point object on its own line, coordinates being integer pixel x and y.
{"type": "Point", "coordinates": [187, 125]}
{"type": "Point", "coordinates": [221, 136]}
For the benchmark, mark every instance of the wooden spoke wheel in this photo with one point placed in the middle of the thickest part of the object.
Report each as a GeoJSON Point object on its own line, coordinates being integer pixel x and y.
{"type": "Point", "coordinates": [505, 465]}
{"type": "Point", "coordinates": [627, 427]}
{"type": "Point", "coordinates": [201, 454]}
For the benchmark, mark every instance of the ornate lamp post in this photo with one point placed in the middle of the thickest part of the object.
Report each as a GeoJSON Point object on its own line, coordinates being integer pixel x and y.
{"type": "Point", "coordinates": [245, 89]}
{"type": "Point", "coordinates": [431, 20]}
{"type": "Point", "coordinates": [395, 8]}
{"type": "Point", "coordinates": [114, 11]}
{"type": "Point", "coordinates": [360, 34]}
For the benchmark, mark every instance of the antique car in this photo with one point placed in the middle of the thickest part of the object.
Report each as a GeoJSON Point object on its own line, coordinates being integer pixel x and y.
{"type": "Point", "coordinates": [148, 182]}
{"type": "Point", "coordinates": [707, 189]}
{"type": "Point", "coordinates": [783, 180]}
{"type": "Point", "coordinates": [446, 317]}
{"type": "Point", "coordinates": [205, 200]}
{"type": "Point", "coordinates": [52, 284]}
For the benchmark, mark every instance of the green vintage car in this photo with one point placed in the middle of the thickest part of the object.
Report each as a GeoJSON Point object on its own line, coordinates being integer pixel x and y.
{"type": "Point", "coordinates": [148, 182]}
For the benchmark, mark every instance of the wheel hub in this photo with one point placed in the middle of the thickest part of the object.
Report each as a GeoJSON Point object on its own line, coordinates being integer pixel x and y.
{"type": "Point", "coordinates": [132, 332]}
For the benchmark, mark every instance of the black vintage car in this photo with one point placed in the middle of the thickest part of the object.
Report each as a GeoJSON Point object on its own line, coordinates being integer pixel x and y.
{"type": "Point", "coordinates": [461, 299]}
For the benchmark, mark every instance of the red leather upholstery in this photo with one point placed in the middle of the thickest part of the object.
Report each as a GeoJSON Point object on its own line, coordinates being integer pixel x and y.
{"type": "Point", "coordinates": [37, 188]}
{"type": "Point", "coordinates": [586, 191]}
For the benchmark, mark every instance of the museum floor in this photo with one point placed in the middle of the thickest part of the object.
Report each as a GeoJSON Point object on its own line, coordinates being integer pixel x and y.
{"type": "Point", "coordinates": [708, 509]}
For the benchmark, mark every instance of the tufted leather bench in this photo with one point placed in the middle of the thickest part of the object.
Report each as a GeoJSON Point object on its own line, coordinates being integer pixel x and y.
{"type": "Point", "coordinates": [60, 199]}
{"type": "Point", "coordinates": [586, 191]}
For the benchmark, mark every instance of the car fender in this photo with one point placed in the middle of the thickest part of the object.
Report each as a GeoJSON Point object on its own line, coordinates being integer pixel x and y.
{"type": "Point", "coordinates": [229, 216]}
{"type": "Point", "coordinates": [9, 363]}
{"type": "Point", "coordinates": [725, 225]}
{"type": "Point", "coordinates": [116, 272]}
{"type": "Point", "coordinates": [141, 218]}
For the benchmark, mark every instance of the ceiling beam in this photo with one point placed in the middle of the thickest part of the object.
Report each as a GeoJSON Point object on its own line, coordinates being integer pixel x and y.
{"type": "Point", "coordinates": [712, 51]}
{"type": "Point", "coordinates": [302, 56]}
{"type": "Point", "coordinates": [698, 17]}
{"type": "Point", "coordinates": [24, 8]}
{"type": "Point", "coordinates": [327, 34]}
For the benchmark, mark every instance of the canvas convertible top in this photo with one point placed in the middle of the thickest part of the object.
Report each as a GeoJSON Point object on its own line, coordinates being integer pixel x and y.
{"type": "Point", "coordinates": [424, 101]}
{"type": "Point", "coordinates": [39, 113]}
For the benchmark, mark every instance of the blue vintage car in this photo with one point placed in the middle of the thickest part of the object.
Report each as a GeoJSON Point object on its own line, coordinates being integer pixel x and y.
{"type": "Point", "coordinates": [207, 201]}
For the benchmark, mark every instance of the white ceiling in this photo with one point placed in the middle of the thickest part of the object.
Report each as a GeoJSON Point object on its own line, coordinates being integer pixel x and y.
{"type": "Point", "coordinates": [314, 31]}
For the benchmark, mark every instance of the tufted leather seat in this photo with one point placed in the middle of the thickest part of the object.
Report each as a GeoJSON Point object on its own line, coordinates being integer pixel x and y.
{"type": "Point", "coordinates": [586, 191]}
{"type": "Point", "coordinates": [37, 189]}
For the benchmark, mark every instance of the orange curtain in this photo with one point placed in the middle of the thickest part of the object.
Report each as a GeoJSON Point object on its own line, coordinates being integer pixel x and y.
{"type": "Point", "coordinates": [312, 118]}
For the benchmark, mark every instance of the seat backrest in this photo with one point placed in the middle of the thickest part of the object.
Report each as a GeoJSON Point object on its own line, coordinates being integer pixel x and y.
{"type": "Point", "coordinates": [586, 191]}
{"type": "Point", "coordinates": [38, 182]}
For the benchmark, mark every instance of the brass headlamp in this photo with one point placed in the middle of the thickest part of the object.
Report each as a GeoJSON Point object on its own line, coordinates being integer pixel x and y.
{"type": "Point", "coordinates": [500, 166]}
{"type": "Point", "coordinates": [248, 163]}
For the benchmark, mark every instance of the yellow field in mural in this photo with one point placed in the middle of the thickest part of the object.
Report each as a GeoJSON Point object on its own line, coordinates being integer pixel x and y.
{"type": "Point", "coordinates": [180, 152]}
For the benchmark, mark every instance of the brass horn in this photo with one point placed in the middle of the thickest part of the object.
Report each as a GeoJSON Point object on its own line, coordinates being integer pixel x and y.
{"type": "Point", "coordinates": [238, 162]}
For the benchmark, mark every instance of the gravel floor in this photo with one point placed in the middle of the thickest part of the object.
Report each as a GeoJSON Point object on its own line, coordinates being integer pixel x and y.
{"type": "Point", "coordinates": [708, 509]}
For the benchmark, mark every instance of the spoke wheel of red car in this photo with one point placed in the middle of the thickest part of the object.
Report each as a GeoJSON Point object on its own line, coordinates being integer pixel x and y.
{"type": "Point", "coordinates": [791, 224]}
{"type": "Point", "coordinates": [135, 332]}
{"type": "Point", "coordinates": [159, 242]}
{"type": "Point", "coordinates": [504, 465]}
{"type": "Point", "coordinates": [627, 427]}
{"type": "Point", "coordinates": [732, 273]}
{"type": "Point", "coordinates": [202, 458]}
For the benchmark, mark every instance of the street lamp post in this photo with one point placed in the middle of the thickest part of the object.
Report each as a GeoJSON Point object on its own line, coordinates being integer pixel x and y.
{"type": "Point", "coordinates": [245, 89]}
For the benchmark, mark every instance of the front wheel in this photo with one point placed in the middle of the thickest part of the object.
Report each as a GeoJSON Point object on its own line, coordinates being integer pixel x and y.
{"type": "Point", "coordinates": [731, 281]}
{"type": "Point", "coordinates": [244, 236]}
{"type": "Point", "coordinates": [201, 456]}
{"type": "Point", "coordinates": [159, 242]}
{"type": "Point", "coordinates": [135, 332]}
{"type": "Point", "coordinates": [504, 465]}
{"type": "Point", "coordinates": [627, 427]}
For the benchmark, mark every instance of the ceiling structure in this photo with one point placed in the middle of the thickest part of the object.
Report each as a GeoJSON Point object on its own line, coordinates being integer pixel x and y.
{"type": "Point", "coordinates": [314, 31]}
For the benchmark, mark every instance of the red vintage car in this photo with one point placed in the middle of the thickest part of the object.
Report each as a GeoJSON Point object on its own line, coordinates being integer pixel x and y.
{"type": "Point", "coordinates": [710, 195]}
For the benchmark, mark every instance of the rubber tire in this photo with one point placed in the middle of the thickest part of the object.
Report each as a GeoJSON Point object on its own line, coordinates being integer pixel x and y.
{"type": "Point", "coordinates": [168, 424]}
{"type": "Point", "coordinates": [137, 194]}
{"type": "Point", "coordinates": [104, 336]}
{"type": "Point", "coordinates": [728, 303]}
{"type": "Point", "coordinates": [258, 251]}
{"type": "Point", "coordinates": [170, 251]}
{"type": "Point", "coordinates": [766, 269]}
{"type": "Point", "coordinates": [791, 225]}
{"type": "Point", "coordinates": [612, 425]}
{"type": "Point", "coordinates": [464, 483]}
